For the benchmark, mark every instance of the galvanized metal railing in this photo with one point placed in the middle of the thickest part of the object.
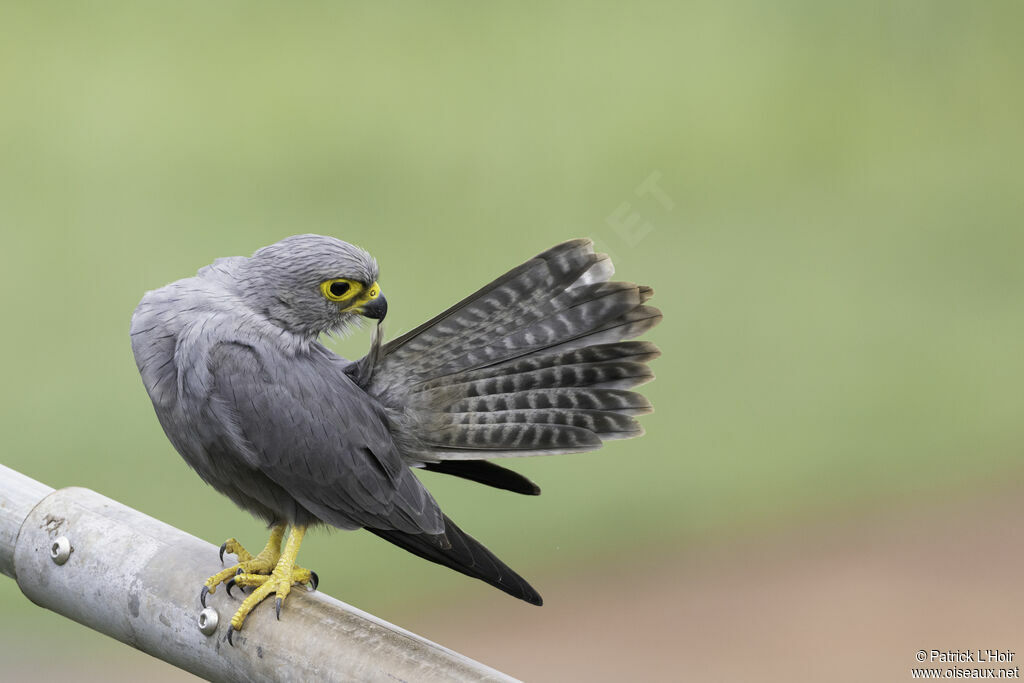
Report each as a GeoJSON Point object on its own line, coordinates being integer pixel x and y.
{"type": "Point", "coordinates": [134, 578]}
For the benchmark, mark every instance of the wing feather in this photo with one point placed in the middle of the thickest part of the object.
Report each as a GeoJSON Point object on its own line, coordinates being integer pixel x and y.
{"type": "Point", "coordinates": [306, 425]}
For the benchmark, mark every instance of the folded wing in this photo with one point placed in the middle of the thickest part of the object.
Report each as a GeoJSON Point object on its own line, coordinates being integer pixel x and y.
{"type": "Point", "coordinates": [317, 435]}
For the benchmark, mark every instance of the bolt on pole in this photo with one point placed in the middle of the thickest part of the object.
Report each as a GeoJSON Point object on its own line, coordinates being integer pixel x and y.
{"type": "Point", "coordinates": [134, 578]}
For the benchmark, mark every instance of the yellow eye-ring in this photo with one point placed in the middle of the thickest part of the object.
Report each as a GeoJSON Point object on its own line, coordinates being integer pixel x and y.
{"type": "Point", "coordinates": [341, 289]}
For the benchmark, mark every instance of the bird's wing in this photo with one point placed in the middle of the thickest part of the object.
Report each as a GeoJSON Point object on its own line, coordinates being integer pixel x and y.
{"type": "Point", "coordinates": [459, 551]}
{"type": "Point", "coordinates": [304, 424]}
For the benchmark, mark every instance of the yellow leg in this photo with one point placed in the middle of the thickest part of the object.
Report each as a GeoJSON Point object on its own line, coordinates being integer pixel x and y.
{"type": "Point", "coordinates": [280, 581]}
{"type": "Point", "coordinates": [247, 564]}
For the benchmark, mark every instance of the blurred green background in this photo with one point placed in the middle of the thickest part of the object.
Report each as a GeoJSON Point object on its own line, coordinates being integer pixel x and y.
{"type": "Point", "coordinates": [837, 249]}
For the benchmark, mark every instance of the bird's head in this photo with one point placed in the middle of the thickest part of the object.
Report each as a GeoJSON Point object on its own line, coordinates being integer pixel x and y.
{"type": "Point", "coordinates": [309, 284]}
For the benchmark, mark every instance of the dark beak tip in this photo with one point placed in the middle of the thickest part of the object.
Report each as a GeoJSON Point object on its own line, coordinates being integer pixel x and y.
{"type": "Point", "coordinates": [376, 309]}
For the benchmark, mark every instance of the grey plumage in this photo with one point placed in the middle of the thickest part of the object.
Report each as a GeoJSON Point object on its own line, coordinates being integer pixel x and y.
{"type": "Point", "coordinates": [533, 363]}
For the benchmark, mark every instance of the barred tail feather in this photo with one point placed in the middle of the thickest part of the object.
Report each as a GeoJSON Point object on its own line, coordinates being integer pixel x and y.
{"type": "Point", "coordinates": [534, 363]}
{"type": "Point", "coordinates": [606, 424]}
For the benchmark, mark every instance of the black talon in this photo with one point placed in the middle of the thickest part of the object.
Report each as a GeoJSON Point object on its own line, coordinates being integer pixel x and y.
{"type": "Point", "coordinates": [279, 609]}
{"type": "Point", "coordinates": [203, 594]}
{"type": "Point", "coordinates": [314, 579]}
{"type": "Point", "coordinates": [223, 547]}
{"type": "Point", "coordinates": [229, 585]}
{"type": "Point", "coordinates": [239, 571]}
{"type": "Point", "coordinates": [231, 629]}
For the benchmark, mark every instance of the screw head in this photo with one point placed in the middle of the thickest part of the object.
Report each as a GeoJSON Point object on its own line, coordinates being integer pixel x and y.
{"type": "Point", "coordinates": [207, 621]}
{"type": "Point", "coordinates": [60, 550]}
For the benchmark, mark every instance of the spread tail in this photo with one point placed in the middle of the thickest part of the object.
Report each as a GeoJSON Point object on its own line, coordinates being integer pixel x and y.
{"type": "Point", "coordinates": [532, 364]}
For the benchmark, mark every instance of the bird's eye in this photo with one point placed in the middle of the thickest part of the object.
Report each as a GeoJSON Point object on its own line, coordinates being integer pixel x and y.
{"type": "Point", "coordinates": [340, 289]}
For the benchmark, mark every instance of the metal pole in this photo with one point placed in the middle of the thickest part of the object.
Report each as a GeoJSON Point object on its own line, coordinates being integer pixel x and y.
{"type": "Point", "coordinates": [136, 579]}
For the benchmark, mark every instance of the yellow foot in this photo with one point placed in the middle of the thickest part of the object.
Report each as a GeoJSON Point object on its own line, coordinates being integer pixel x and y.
{"type": "Point", "coordinates": [279, 583]}
{"type": "Point", "coordinates": [298, 575]}
{"type": "Point", "coordinates": [284, 573]}
{"type": "Point", "coordinates": [247, 563]}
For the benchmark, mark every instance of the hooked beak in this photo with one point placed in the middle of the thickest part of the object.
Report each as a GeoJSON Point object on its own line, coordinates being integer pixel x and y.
{"type": "Point", "coordinates": [374, 308]}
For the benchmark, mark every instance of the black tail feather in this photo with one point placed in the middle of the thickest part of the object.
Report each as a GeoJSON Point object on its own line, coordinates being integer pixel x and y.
{"type": "Point", "coordinates": [463, 554]}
